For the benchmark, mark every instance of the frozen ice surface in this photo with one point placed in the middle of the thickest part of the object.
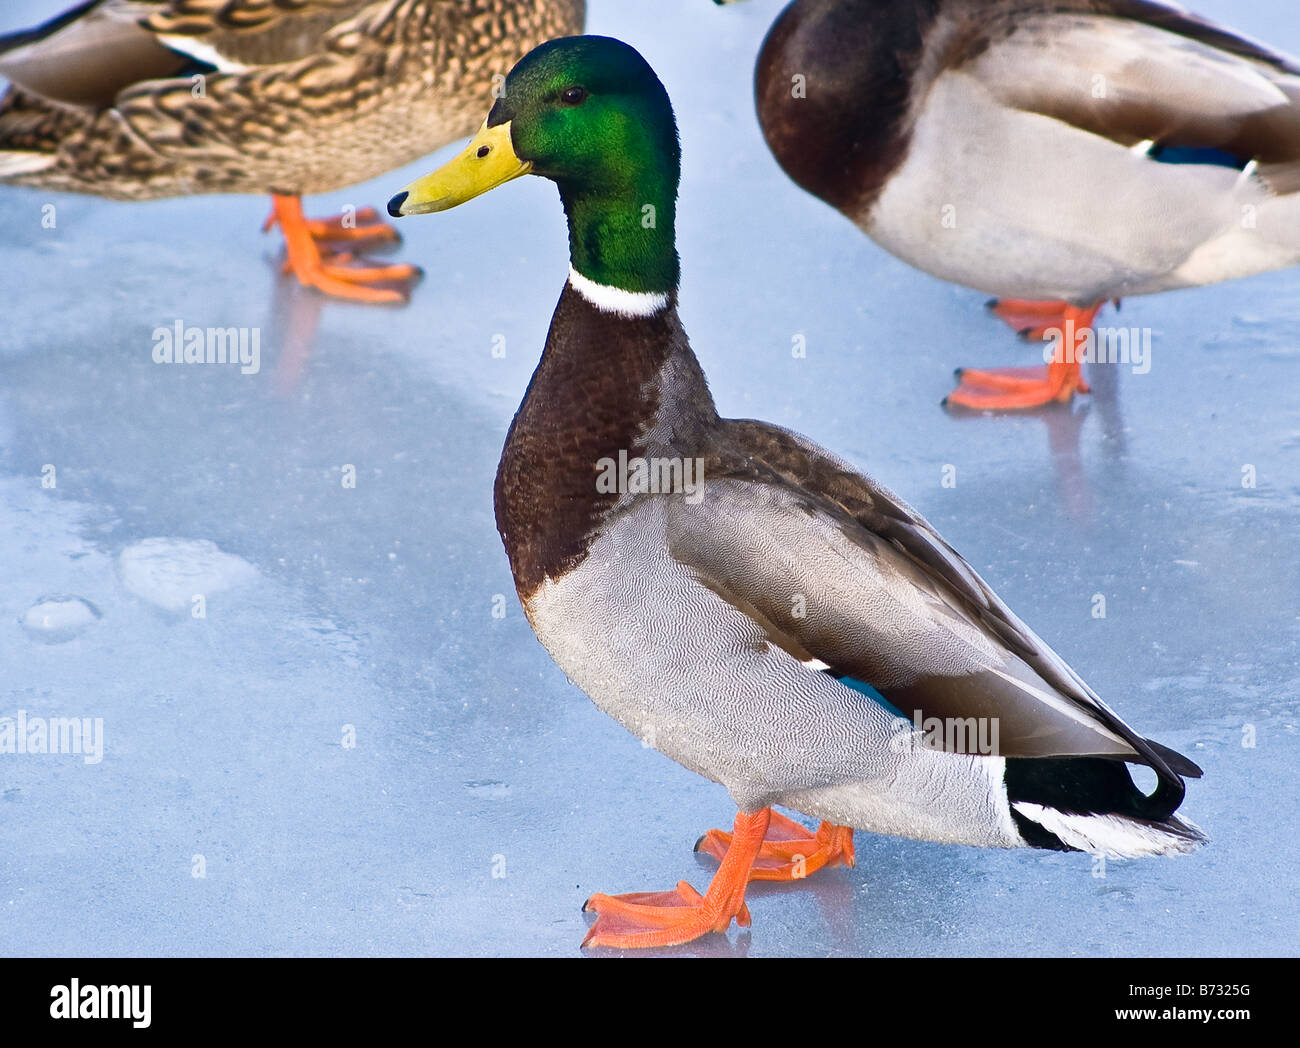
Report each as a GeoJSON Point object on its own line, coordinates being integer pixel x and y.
{"type": "Point", "coordinates": [53, 620]}
{"type": "Point", "coordinates": [172, 573]}
{"type": "Point", "coordinates": [229, 738]}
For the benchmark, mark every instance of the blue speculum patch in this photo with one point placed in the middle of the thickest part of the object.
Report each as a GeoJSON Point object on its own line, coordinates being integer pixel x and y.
{"type": "Point", "coordinates": [873, 695]}
{"type": "Point", "coordinates": [1196, 155]}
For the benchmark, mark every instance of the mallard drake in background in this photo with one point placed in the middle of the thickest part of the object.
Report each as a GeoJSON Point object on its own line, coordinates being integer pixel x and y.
{"type": "Point", "coordinates": [746, 602]}
{"type": "Point", "coordinates": [141, 99]}
{"type": "Point", "coordinates": [1055, 153]}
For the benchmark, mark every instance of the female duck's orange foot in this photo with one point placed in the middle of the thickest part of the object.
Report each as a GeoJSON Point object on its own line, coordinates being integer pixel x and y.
{"type": "Point", "coordinates": [360, 225]}
{"type": "Point", "coordinates": [343, 265]}
{"type": "Point", "coordinates": [646, 919]}
{"type": "Point", "coordinates": [365, 224]}
{"type": "Point", "coordinates": [333, 272]}
{"type": "Point", "coordinates": [789, 852]}
{"type": "Point", "coordinates": [1010, 388]}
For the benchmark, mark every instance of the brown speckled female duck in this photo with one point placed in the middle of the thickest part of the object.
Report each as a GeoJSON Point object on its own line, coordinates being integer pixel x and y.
{"type": "Point", "coordinates": [141, 99]}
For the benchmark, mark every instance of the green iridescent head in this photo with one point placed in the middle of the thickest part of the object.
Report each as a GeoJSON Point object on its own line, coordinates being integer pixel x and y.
{"type": "Point", "coordinates": [588, 113]}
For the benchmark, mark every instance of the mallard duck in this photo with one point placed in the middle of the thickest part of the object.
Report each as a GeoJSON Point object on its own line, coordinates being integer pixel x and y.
{"type": "Point", "coordinates": [745, 601]}
{"type": "Point", "coordinates": [141, 99]}
{"type": "Point", "coordinates": [1055, 153]}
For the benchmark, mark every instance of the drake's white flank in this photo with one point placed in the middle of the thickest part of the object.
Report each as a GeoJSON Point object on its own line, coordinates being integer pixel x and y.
{"type": "Point", "coordinates": [1111, 835]}
{"type": "Point", "coordinates": [615, 300]}
{"type": "Point", "coordinates": [996, 769]}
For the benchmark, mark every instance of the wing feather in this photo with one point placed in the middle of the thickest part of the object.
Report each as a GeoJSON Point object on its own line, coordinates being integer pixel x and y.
{"type": "Point", "coordinates": [250, 32]}
{"type": "Point", "coordinates": [885, 599]}
{"type": "Point", "coordinates": [1144, 81]}
{"type": "Point", "coordinates": [89, 56]}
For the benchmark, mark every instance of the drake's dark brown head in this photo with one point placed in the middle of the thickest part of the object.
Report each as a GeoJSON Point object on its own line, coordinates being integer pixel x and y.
{"type": "Point", "coordinates": [833, 86]}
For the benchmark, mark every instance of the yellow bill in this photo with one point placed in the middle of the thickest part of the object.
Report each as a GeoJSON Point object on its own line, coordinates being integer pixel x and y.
{"type": "Point", "coordinates": [487, 162]}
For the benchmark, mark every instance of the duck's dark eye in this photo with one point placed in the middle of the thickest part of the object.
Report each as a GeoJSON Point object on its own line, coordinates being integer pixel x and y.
{"type": "Point", "coordinates": [573, 96]}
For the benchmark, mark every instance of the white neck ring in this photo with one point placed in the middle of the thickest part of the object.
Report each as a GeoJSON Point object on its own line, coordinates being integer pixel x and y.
{"type": "Point", "coordinates": [616, 300]}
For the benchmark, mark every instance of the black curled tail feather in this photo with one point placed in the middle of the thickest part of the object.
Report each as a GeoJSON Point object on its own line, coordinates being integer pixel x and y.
{"type": "Point", "coordinates": [1095, 786]}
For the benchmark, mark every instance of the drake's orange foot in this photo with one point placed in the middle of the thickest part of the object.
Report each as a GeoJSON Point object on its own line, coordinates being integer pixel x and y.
{"type": "Point", "coordinates": [1028, 318]}
{"type": "Point", "coordinates": [1033, 319]}
{"type": "Point", "coordinates": [331, 272]}
{"type": "Point", "coordinates": [642, 919]}
{"type": "Point", "coordinates": [1003, 389]}
{"type": "Point", "coordinates": [647, 919]}
{"type": "Point", "coordinates": [1006, 389]}
{"type": "Point", "coordinates": [789, 852]}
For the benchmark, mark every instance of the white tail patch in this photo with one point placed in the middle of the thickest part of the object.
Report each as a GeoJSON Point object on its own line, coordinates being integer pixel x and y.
{"type": "Point", "coordinates": [1113, 836]}
{"type": "Point", "coordinates": [616, 300]}
{"type": "Point", "coordinates": [24, 162]}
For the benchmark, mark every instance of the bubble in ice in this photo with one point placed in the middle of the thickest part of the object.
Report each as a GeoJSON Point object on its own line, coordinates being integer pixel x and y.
{"type": "Point", "coordinates": [489, 788]}
{"type": "Point", "coordinates": [54, 619]}
{"type": "Point", "coordinates": [170, 573]}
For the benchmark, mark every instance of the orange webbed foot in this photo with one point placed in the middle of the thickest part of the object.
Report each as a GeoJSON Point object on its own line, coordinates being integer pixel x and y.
{"type": "Point", "coordinates": [642, 919]}
{"type": "Point", "coordinates": [339, 273]}
{"type": "Point", "coordinates": [789, 852]}
{"type": "Point", "coordinates": [1003, 389]}
{"type": "Point", "coordinates": [342, 267]}
{"type": "Point", "coordinates": [646, 919]}
{"type": "Point", "coordinates": [1030, 319]}
{"type": "Point", "coordinates": [365, 224]}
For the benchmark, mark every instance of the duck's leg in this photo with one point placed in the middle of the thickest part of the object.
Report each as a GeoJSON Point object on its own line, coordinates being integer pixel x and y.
{"type": "Point", "coordinates": [1029, 387]}
{"type": "Point", "coordinates": [331, 272]}
{"type": "Point", "coordinates": [643, 919]}
{"type": "Point", "coordinates": [1028, 318]}
{"type": "Point", "coordinates": [789, 852]}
